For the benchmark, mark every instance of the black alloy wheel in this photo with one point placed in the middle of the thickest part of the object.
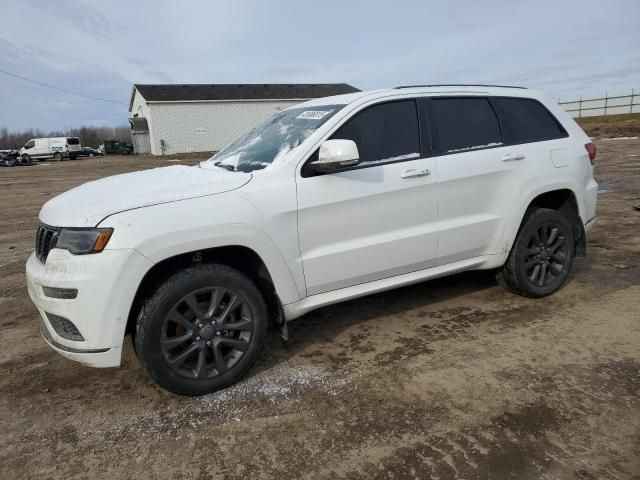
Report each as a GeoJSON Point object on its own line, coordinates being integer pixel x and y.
{"type": "Point", "coordinates": [542, 255]}
{"type": "Point", "coordinates": [202, 329]}
{"type": "Point", "coordinates": [546, 255]}
{"type": "Point", "coordinates": [206, 333]}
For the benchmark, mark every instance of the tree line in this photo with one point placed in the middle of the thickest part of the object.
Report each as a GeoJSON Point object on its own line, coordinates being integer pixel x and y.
{"type": "Point", "coordinates": [89, 136]}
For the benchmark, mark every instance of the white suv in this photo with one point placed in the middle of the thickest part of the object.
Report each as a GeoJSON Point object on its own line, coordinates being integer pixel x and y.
{"type": "Point", "coordinates": [326, 201]}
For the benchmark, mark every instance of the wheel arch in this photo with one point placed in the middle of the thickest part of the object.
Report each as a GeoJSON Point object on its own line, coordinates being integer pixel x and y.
{"type": "Point", "coordinates": [239, 257]}
{"type": "Point", "coordinates": [562, 199]}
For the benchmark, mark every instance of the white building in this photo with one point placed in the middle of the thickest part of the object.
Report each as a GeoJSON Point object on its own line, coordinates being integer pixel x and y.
{"type": "Point", "coordinates": [169, 119]}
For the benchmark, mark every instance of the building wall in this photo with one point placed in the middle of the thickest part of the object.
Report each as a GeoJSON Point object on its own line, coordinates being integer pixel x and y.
{"type": "Point", "coordinates": [204, 126]}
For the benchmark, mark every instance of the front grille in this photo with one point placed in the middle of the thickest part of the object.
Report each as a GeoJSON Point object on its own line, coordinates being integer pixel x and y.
{"type": "Point", "coordinates": [45, 240]}
{"type": "Point", "coordinates": [64, 327]}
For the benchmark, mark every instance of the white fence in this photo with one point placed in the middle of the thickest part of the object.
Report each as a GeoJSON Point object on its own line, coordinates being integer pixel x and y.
{"type": "Point", "coordinates": [589, 107]}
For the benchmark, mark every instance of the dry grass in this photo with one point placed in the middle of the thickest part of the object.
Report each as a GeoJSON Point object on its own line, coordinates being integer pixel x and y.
{"type": "Point", "coordinates": [627, 125]}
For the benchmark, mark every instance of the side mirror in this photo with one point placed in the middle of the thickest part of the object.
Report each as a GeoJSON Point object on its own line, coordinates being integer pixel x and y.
{"type": "Point", "coordinates": [335, 154]}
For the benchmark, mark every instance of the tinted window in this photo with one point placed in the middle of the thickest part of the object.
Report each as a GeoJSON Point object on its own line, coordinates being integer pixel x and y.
{"type": "Point", "coordinates": [465, 124]}
{"type": "Point", "coordinates": [73, 141]}
{"type": "Point", "coordinates": [529, 120]}
{"type": "Point", "coordinates": [384, 132]}
{"type": "Point", "coordinates": [30, 144]}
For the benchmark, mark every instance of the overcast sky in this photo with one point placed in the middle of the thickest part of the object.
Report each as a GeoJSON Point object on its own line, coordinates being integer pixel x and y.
{"type": "Point", "coordinates": [101, 48]}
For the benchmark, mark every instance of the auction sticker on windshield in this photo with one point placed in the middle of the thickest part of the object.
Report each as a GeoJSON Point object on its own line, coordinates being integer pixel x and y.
{"type": "Point", "coordinates": [314, 114]}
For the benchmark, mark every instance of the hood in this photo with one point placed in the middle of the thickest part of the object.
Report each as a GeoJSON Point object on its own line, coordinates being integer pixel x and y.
{"type": "Point", "coordinates": [88, 204]}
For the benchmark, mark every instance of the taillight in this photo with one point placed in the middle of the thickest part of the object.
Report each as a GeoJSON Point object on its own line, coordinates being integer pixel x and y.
{"type": "Point", "coordinates": [591, 150]}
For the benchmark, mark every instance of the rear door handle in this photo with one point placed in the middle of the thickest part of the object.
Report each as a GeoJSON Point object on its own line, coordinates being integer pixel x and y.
{"type": "Point", "coordinates": [416, 172]}
{"type": "Point", "coordinates": [511, 157]}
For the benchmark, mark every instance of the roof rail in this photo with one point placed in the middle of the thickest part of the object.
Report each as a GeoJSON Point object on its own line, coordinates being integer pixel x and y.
{"type": "Point", "coordinates": [459, 85]}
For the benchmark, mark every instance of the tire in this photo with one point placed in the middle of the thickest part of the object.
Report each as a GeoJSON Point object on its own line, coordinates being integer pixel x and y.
{"type": "Point", "coordinates": [26, 158]}
{"type": "Point", "coordinates": [170, 339]}
{"type": "Point", "coordinates": [57, 157]}
{"type": "Point", "coordinates": [542, 255]}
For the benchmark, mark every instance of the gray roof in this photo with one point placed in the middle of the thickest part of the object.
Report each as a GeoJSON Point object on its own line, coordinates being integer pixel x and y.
{"type": "Point", "coordinates": [255, 91]}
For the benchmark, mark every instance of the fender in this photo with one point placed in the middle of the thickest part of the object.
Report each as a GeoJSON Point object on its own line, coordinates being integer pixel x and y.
{"type": "Point", "coordinates": [160, 248]}
{"type": "Point", "coordinates": [515, 220]}
{"type": "Point", "coordinates": [147, 254]}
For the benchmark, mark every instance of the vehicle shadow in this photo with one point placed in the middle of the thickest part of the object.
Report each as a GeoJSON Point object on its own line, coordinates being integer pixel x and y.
{"type": "Point", "coordinates": [322, 326]}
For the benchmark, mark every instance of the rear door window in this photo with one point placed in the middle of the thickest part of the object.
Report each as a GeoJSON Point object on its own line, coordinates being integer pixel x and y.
{"type": "Point", "coordinates": [73, 141]}
{"type": "Point", "coordinates": [384, 133]}
{"type": "Point", "coordinates": [463, 124]}
{"type": "Point", "coordinates": [529, 120]}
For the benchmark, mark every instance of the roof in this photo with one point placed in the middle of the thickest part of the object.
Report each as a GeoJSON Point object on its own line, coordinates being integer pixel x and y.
{"type": "Point", "coordinates": [459, 85]}
{"type": "Point", "coordinates": [434, 90]}
{"type": "Point", "coordinates": [220, 92]}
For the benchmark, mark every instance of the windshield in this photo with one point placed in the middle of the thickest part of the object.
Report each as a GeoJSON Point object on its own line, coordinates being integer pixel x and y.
{"type": "Point", "coordinates": [272, 139]}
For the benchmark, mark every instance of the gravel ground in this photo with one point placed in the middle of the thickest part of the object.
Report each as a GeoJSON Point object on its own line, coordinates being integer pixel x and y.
{"type": "Point", "coordinates": [453, 378]}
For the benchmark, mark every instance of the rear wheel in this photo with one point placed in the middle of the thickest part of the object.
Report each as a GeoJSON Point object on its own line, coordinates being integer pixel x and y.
{"type": "Point", "coordinates": [57, 157]}
{"type": "Point", "coordinates": [202, 330]}
{"type": "Point", "coordinates": [542, 255]}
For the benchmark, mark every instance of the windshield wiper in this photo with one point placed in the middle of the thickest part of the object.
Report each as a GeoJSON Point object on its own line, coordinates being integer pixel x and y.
{"type": "Point", "coordinates": [230, 168]}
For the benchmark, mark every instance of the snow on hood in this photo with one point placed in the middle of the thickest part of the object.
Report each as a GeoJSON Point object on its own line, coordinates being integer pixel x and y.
{"type": "Point", "coordinates": [90, 203]}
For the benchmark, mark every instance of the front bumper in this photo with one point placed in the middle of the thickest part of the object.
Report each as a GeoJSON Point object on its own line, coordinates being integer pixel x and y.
{"type": "Point", "coordinates": [106, 284]}
{"type": "Point", "coordinates": [100, 358]}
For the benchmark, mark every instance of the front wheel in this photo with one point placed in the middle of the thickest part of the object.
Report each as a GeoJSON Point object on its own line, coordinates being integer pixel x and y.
{"type": "Point", "coordinates": [542, 255]}
{"type": "Point", "coordinates": [202, 330]}
{"type": "Point", "coordinates": [26, 158]}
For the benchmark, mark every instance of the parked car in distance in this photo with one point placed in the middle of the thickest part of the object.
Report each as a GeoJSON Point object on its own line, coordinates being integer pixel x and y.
{"type": "Point", "coordinates": [326, 201]}
{"type": "Point", "coordinates": [88, 152]}
{"type": "Point", "coordinates": [9, 158]}
{"type": "Point", "coordinates": [125, 149]}
{"type": "Point", "coordinates": [117, 148]}
{"type": "Point", "coordinates": [57, 148]}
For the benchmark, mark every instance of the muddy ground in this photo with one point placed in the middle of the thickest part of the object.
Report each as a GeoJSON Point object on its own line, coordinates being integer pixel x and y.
{"type": "Point", "coordinates": [454, 378]}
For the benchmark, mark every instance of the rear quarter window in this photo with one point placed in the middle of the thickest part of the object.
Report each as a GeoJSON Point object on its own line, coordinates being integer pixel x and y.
{"type": "Point", "coordinates": [73, 141]}
{"type": "Point", "coordinates": [529, 120]}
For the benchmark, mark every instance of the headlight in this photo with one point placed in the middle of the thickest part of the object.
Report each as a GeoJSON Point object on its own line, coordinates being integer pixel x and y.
{"type": "Point", "coordinates": [80, 241]}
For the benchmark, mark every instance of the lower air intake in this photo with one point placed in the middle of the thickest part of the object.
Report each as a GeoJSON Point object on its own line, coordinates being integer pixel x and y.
{"type": "Point", "coordinates": [65, 328]}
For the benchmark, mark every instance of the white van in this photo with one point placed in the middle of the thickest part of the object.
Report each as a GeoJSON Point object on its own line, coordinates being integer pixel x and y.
{"type": "Point", "coordinates": [56, 148]}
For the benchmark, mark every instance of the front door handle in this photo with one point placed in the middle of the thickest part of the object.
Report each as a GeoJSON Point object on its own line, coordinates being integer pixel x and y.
{"type": "Point", "coordinates": [416, 172]}
{"type": "Point", "coordinates": [511, 157]}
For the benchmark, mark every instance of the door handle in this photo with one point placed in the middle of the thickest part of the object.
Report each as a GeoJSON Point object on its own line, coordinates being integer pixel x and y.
{"type": "Point", "coordinates": [510, 157]}
{"type": "Point", "coordinates": [416, 172]}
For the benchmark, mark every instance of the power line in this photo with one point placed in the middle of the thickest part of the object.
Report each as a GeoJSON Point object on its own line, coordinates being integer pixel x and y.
{"type": "Point", "coordinates": [62, 89]}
